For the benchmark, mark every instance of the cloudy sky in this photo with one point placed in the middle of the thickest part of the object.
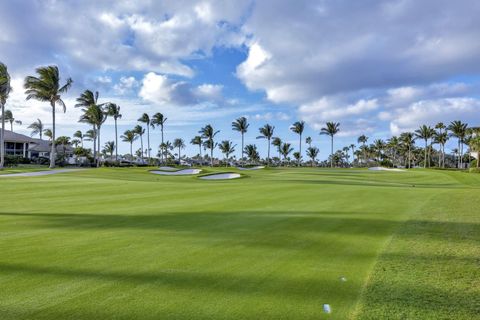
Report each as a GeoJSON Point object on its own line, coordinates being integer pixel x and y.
{"type": "Point", "coordinates": [377, 67]}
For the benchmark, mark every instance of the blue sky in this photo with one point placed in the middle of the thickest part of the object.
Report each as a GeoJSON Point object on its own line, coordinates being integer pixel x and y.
{"type": "Point", "coordinates": [377, 67]}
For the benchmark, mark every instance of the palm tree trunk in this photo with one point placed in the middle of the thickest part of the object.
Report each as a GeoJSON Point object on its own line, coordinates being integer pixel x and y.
{"type": "Point", "coordinates": [148, 140]}
{"type": "Point", "coordinates": [116, 141]}
{"type": "Point", "coordinates": [2, 138]}
{"type": "Point", "coordinates": [98, 148]}
{"type": "Point", "coordinates": [425, 156]}
{"type": "Point", "coordinates": [200, 151]}
{"type": "Point", "coordinates": [131, 149]}
{"type": "Point", "coordinates": [179, 157]}
{"type": "Point", "coordinates": [141, 146]}
{"type": "Point", "coordinates": [211, 154]}
{"type": "Point", "coordinates": [52, 152]}
{"type": "Point", "coordinates": [243, 151]}
{"type": "Point", "coordinates": [331, 154]}
{"type": "Point", "coordinates": [161, 151]}
{"type": "Point", "coordinates": [268, 153]}
{"type": "Point", "coordinates": [300, 159]}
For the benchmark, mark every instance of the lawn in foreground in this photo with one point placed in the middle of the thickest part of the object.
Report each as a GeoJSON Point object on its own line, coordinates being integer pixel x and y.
{"type": "Point", "coordinates": [125, 244]}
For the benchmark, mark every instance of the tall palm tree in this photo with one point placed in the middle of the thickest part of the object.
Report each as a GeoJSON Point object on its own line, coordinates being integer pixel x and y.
{"type": "Point", "coordinates": [9, 117]}
{"type": "Point", "coordinates": [441, 139]}
{"type": "Point", "coordinates": [266, 132]}
{"type": "Point", "coordinates": [379, 146]}
{"type": "Point", "coordinates": [312, 153]}
{"type": "Point", "coordinates": [197, 140]}
{"type": "Point", "coordinates": [425, 133]}
{"type": "Point", "coordinates": [252, 152]}
{"type": "Point", "coordinates": [363, 140]}
{"type": "Point", "coordinates": [285, 150]}
{"type": "Point", "coordinates": [393, 143]}
{"type": "Point", "coordinates": [48, 133]}
{"type": "Point", "coordinates": [227, 148]}
{"type": "Point", "coordinates": [145, 118]}
{"type": "Point", "coordinates": [352, 147]}
{"type": "Point", "coordinates": [159, 120]}
{"type": "Point", "coordinates": [129, 136]}
{"type": "Point", "coordinates": [140, 131]}
{"type": "Point", "coordinates": [109, 148]}
{"type": "Point", "coordinates": [5, 89]}
{"type": "Point", "coordinates": [298, 128]}
{"type": "Point", "coordinates": [79, 135]}
{"type": "Point", "coordinates": [458, 129]}
{"type": "Point", "coordinates": [113, 110]}
{"type": "Point", "coordinates": [37, 128]}
{"type": "Point", "coordinates": [331, 129]}
{"type": "Point", "coordinates": [180, 144]}
{"type": "Point", "coordinates": [241, 125]}
{"type": "Point", "coordinates": [408, 140]}
{"type": "Point", "coordinates": [46, 87]}
{"type": "Point", "coordinates": [93, 114]}
{"type": "Point", "coordinates": [209, 134]}
{"type": "Point", "coordinates": [75, 142]}
{"type": "Point", "coordinates": [277, 142]}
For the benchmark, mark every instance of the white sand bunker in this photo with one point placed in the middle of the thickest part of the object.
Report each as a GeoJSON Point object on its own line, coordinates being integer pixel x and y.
{"type": "Point", "coordinates": [168, 168]}
{"type": "Point", "coordinates": [385, 169]}
{"type": "Point", "coordinates": [251, 168]}
{"type": "Point", "coordinates": [221, 176]}
{"type": "Point", "coordinates": [178, 172]}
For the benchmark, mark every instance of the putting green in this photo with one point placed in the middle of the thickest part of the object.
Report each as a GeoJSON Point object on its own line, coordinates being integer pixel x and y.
{"type": "Point", "coordinates": [122, 243]}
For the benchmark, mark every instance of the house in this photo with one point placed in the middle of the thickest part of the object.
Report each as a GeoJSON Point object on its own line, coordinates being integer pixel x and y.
{"type": "Point", "coordinates": [28, 147]}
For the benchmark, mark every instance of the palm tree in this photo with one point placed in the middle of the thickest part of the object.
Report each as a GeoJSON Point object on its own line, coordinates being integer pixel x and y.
{"type": "Point", "coordinates": [277, 142]}
{"type": "Point", "coordinates": [159, 120]}
{"type": "Point", "coordinates": [37, 128]}
{"type": "Point", "coordinates": [241, 125]}
{"type": "Point", "coordinates": [312, 153]}
{"type": "Point", "coordinates": [109, 148]}
{"type": "Point", "coordinates": [140, 131]}
{"type": "Point", "coordinates": [180, 144]}
{"type": "Point", "coordinates": [209, 134]}
{"type": "Point", "coordinates": [393, 143]}
{"type": "Point", "coordinates": [78, 134]}
{"type": "Point", "coordinates": [91, 135]}
{"type": "Point", "coordinates": [5, 89]}
{"type": "Point", "coordinates": [227, 148]}
{"type": "Point", "coordinates": [352, 146]}
{"type": "Point", "coordinates": [129, 136]}
{"type": "Point", "coordinates": [331, 129]}
{"type": "Point", "coordinates": [113, 110]}
{"type": "Point", "coordinates": [48, 133]}
{"type": "Point", "coordinates": [441, 139]}
{"type": "Point", "coordinates": [363, 140]}
{"type": "Point", "coordinates": [266, 133]}
{"type": "Point", "coordinates": [408, 140]}
{"type": "Point", "coordinates": [145, 118]}
{"type": "Point", "coordinates": [93, 114]}
{"type": "Point", "coordinates": [9, 117]}
{"type": "Point", "coordinates": [252, 152]}
{"type": "Point", "coordinates": [285, 150]}
{"type": "Point", "coordinates": [459, 130]}
{"type": "Point", "coordinates": [308, 141]}
{"type": "Point", "coordinates": [64, 141]}
{"type": "Point", "coordinates": [474, 144]}
{"type": "Point", "coordinates": [46, 88]}
{"type": "Point", "coordinates": [379, 146]}
{"type": "Point", "coordinates": [298, 128]}
{"type": "Point", "coordinates": [197, 140]}
{"type": "Point", "coordinates": [425, 133]}
{"type": "Point", "coordinates": [164, 148]}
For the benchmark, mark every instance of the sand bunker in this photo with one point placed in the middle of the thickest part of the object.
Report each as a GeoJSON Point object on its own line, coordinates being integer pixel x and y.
{"type": "Point", "coordinates": [385, 169]}
{"type": "Point", "coordinates": [221, 176]}
{"type": "Point", "coordinates": [251, 168]}
{"type": "Point", "coordinates": [178, 172]}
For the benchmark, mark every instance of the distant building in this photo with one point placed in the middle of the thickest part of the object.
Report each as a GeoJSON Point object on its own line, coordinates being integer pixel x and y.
{"type": "Point", "coordinates": [28, 147]}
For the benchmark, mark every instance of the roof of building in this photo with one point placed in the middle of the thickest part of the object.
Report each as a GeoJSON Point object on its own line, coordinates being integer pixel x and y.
{"type": "Point", "coordinates": [16, 137]}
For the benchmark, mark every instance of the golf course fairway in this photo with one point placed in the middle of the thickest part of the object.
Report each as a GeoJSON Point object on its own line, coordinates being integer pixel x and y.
{"type": "Point", "coordinates": [122, 243]}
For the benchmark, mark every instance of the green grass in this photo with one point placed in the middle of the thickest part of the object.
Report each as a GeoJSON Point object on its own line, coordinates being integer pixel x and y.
{"type": "Point", "coordinates": [21, 168]}
{"type": "Point", "coordinates": [122, 243]}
